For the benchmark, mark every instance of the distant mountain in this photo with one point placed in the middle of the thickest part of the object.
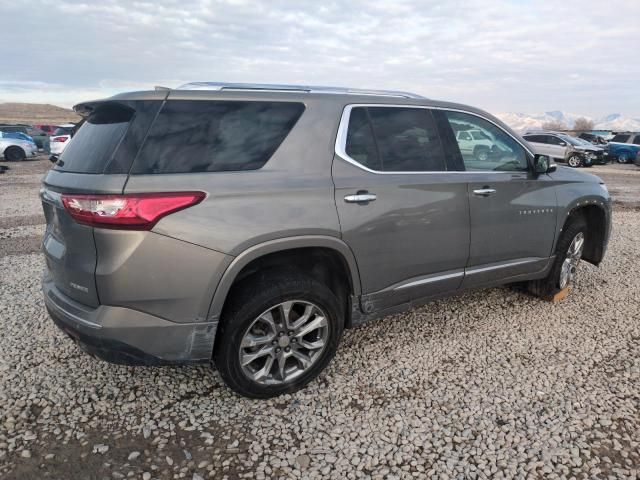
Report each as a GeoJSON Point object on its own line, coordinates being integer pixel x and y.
{"type": "Point", "coordinates": [36, 113]}
{"type": "Point", "coordinates": [533, 121]}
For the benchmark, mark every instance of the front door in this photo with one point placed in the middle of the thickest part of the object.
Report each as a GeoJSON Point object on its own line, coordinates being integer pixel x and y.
{"type": "Point", "coordinates": [404, 216]}
{"type": "Point", "coordinates": [512, 211]}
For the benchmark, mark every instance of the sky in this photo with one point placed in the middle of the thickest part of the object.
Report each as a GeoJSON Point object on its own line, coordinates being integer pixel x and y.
{"type": "Point", "coordinates": [501, 55]}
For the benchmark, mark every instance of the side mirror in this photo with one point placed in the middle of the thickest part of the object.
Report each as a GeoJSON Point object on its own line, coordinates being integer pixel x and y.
{"type": "Point", "coordinates": [53, 158]}
{"type": "Point", "coordinates": [542, 164]}
{"type": "Point", "coordinates": [562, 144]}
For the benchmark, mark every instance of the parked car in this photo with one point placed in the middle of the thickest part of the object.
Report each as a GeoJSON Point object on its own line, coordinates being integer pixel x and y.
{"type": "Point", "coordinates": [38, 136]}
{"type": "Point", "coordinates": [248, 225]}
{"type": "Point", "coordinates": [625, 146]}
{"type": "Point", "coordinates": [564, 148]}
{"type": "Point", "coordinates": [16, 149]}
{"type": "Point", "coordinates": [602, 151]}
{"type": "Point", "coordinates": [61, 137]}
{"type": "Point", "coordinates": [593, 139]}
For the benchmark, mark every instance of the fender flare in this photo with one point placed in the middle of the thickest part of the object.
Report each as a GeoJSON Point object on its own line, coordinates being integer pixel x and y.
{"type": "Point", "coordinates": [278, 245]}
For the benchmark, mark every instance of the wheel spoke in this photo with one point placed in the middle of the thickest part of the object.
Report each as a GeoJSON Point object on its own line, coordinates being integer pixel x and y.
{"type": "Point", "coordinates": [267, 317]}
{"type": "Point", "coordinates": [312, 345]}
{"type": "Point", "coordinates": [285, 310]}
{"type": "Point", "coordinates": [303, 359]}
{"type": "Point", "coordinates": [304, 318]}
{"type": "Point", "coordinates": [265, 370]}
{"type": "Point", "coordinates": [315, 324]}
{"type": "Point", "coordinates": [247, 358]}
{"type": "Point", "coordinates": [282, 362]}
{"type": "Point", "coordinates": [251, 340]}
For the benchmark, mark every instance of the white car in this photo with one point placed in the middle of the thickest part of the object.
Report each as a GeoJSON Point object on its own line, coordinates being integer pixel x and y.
{"type": "Point", "coordinates": [60, 138]}
{"type": "Point", "coordinates": [476, 143]}
{"type": "Point", "coordinates": [15, 149]}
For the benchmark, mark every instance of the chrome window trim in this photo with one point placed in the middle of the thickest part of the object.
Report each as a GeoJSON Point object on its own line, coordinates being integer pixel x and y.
{"type": "Point", "coordinates": [341, 140]}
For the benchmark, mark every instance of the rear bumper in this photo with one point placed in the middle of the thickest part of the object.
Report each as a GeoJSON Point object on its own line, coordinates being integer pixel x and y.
{"type": "Point", "coordinates": [124, 336]}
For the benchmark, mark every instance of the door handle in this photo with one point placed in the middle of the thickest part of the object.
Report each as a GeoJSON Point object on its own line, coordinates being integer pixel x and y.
{"type": "Point", "coordinates": [362, 197]}
{"type": "Point", "coordinates": [484, 192]}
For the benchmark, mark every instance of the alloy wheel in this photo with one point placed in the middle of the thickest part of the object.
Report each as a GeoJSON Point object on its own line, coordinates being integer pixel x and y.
{"type": "Point", "coordinates": [574, 161]}
{"type": "Point", "coordinates": [571, 261]}
{"type": "Point", "coordinates": [284, 342]}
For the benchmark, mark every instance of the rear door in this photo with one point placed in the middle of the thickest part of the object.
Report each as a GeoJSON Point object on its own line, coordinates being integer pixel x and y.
{"type": "Point", "coordinates": [405, 216]}
{"type": "Point", "coordinates": [97, 161]}
{"type": "Point", "coordinates": [557, 147]}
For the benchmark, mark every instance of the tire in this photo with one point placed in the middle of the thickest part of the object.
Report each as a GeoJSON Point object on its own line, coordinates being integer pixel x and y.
{"type": "Point", "coordinates": [247, 316]}
{"type": "Point", "coordinates": [623, 157]}
{"type": "Point", "coordinates": [574, 227]}
{"type": "Point", "coordinates": [14, 154]}
{"type": "Point", "coordinates": [481, 153]}
{"type": "Point", "coordinates": [574, 160]}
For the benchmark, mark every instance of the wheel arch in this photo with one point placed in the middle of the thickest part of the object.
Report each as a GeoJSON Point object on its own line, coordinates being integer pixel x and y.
{"type": "Point", "coordinates": [597, 229]}
{"type": "Point", "coordinates": [17, 147]}
{"type": "Point", "coordinates": [271, 254]}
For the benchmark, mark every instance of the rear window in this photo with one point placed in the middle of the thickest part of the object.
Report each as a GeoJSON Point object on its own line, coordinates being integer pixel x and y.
{"type": "Point", "coordinates": [394, 139]}
{"type": "Point", "coordinates": [95, 143]}
{"type": "Point", "coordinates": [62, 131]}
{"type": "Point", "coordinates": [215, 136]}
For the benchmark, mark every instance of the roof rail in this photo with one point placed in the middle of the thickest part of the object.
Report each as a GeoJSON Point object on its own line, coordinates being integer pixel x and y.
{"type": "Point", "coordinates": [218, 86]}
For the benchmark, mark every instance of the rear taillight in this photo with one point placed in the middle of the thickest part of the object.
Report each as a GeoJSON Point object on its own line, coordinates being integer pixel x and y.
{"type": "Point", "coordinates": [127, 212]}
{"type": "Point", "coordinates": [59, 139]}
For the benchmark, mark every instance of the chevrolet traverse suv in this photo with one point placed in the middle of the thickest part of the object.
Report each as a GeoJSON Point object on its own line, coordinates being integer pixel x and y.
{"type": "Point", "coordinates": [248, 225]}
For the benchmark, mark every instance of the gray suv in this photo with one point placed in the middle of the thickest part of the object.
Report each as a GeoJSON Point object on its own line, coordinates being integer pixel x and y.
{"type": "Point", "coordinates": [248, 225]}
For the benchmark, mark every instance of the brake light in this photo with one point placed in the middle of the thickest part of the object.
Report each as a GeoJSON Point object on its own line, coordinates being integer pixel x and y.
{"type": "Point", "coordinates": [127, 212]}
{"type": "Point", "coordinates": [60, 139]}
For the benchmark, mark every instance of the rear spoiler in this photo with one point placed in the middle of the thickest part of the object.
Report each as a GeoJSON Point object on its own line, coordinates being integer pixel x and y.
{"type": "Point", "coordinates": [85, 108]}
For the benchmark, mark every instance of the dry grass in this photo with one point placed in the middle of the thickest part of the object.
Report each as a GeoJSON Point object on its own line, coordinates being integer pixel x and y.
{"type": "Point", "coordinates": [35, 113]}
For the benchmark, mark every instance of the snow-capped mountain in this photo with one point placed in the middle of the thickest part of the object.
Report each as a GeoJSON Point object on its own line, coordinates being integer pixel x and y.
{"type": "Point", "coordinates": [534, 121]}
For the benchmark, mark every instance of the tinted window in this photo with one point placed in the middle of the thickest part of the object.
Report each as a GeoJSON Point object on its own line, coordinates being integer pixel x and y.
{"type": "Point", "coordinates": [535, 138]}
{"type": "Point", "coordinates": [494, 151]}
{"type": "Point", "coordinates": [554, 140]}
{"type": "Point", "coordinates": [636, 141]}
{"type": "Point", "coordinates": [215, 136]}
{"type": "Point", "coordinates": [620, 138]}
{"type": "Point", "coordinates": [361, 146]}
{"type": "Point", "coordinates": [93, 146]}
{"type": "Point", "coordinates": [406, 139]}
{"type": "Point", "coordinates": [62, 131]}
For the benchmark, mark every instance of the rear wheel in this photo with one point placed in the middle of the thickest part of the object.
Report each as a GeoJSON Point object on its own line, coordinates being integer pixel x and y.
{"type": "Point", "coordinates": [14, 154]}
{"type": "Point", "coordinates": [568, 255]}
{"type": "Point", "coordinates": [277, 334]}
{"type": "Point", "coordinates": [574, 160]}
{"type": "Point", "coordinates": [623, 157]}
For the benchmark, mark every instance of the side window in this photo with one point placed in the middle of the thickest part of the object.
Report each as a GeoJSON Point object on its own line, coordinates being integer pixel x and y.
{"type": "Point", "coordinates": [491, 148]}
{"type": "Point", "coordinates": [215, 136]}
{"type": "Point", "coordinates": [394, 139]}
{"type": "Point", "coordinates": [361, 146]}
{"type": "Point", "coordinates": [464, 136]}
{"type": "Point", "coordinates": [555, 140]}
{"type": "Point", "coordinates": [636, 141]}
{"type": "Point", "coordinates": [620, 138]}
{"type": "Point", "coordinates": [534, 138]}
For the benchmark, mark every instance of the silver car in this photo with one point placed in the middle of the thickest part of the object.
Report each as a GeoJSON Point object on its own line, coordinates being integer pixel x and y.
{"type": "Point", "coordinates": [248, 225]}
{"type": "Point", "coordinates": [16, 149]}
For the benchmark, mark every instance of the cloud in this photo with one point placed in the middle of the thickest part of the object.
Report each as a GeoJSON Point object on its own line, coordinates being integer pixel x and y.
{"type": "Point", "coordinates": [501, 55]}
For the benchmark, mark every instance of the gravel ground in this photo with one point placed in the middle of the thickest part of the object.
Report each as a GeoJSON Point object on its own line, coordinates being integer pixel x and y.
{"type": "Point", "coordinates": [490, 384]}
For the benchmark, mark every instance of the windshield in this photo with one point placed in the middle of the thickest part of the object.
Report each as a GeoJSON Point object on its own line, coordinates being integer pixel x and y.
{"type": "Point", "coordinates": [573, 141]}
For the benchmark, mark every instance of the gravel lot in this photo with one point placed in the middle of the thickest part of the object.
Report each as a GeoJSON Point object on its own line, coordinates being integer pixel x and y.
{"type": "Point", "coordinates": [491, 384]}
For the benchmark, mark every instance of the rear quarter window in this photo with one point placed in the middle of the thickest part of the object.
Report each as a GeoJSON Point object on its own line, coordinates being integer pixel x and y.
{"type": "Point", "coordinates": [96, 141]}
{"type": "Point", "coordinates": [215, 136]}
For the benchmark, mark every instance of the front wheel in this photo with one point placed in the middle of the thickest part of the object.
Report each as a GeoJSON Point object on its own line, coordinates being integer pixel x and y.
{"type": "Point", "coordinates": [568, 255]}
{"type": "Point", "coordinates": [574, 161]}
{"type": "Point", "coordinates": [14, 154]}
{"type": "Point", "coordinates": [277, 334]}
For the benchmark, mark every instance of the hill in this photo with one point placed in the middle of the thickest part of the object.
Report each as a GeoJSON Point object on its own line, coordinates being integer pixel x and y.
{"type": "Point", "coordinates": [36, 113]}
